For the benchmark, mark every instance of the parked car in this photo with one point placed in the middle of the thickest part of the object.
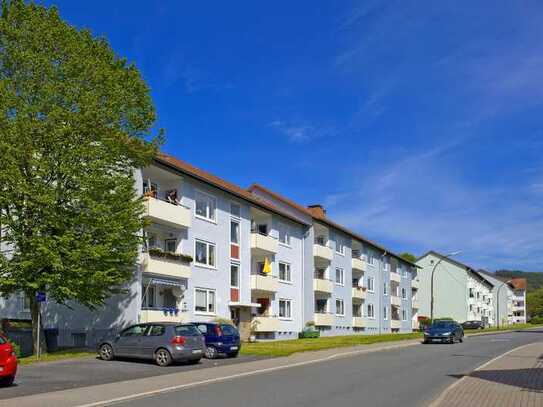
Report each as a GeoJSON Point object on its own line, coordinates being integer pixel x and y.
{"type": "Point", "coordinates": [473, 325]}
{"type": "Point", "coordinates": [8, 362]}
{"type": "Point", "coordinates": [219, 338]}
{"type": "Point", "coordinates": [162, 342]}
{"type": "Point", "coordinates": [444, 331]}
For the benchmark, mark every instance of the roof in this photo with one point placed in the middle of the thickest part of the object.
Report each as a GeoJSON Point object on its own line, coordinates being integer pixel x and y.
{"type": "Point", "coordinates": [457, 263]}
{"type": "Point", "coordinates": [201, 175]}
{"type": "Point", "coordinates": [321, 217]}
{"type": "Point", "coordinates": [519, 283]}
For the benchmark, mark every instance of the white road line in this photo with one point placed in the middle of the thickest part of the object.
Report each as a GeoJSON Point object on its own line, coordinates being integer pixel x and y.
{"type": "Point", "coordinates": [236, 376]}
{"type": "Point", "coordinates": [440, 398]}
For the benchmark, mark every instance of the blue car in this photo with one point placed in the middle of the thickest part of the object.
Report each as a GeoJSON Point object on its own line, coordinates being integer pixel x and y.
{"type": "Point", "coordinates": [219, 339]}
{"type": "Point", "coordinates": [444, 331]}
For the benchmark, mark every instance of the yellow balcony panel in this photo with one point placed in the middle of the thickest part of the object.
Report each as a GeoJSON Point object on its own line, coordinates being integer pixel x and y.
{"type": "Point", "coordinates": [358, 264]}
{"type": "Point", "coordinates": [358, 293]}
{"type": "Point", "coordinates": [265, 324]}
{"type": "Point", "coordinates": [324, 319]}
{"type": "Point", "coordinates": [162, 316]}
{"type": "Point", "coordinates": [322, 252]}
{"type": "Point", "coordinates": [263, 244]}
{"type": "Point", "coordinates": [323, 286]}
{"type": "Point", "coordinates": [264, 283]}
{"type": "Point", "coordinates": [166, 267]}
{"type": "Point", "coordinates": [358, 322]}
{"type": "Point", "coordinates": [162, 212]}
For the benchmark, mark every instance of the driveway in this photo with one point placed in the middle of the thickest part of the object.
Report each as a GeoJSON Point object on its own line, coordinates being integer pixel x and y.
{"type": "Point", "coordinates": [83, 372]}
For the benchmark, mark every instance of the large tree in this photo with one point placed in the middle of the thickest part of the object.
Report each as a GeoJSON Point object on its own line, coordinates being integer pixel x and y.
{"type": "Point", "coordinates": [74, 125]}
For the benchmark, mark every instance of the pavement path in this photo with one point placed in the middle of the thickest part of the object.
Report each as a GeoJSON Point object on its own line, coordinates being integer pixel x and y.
{"type": "Point", "coordinates": [405, 374]}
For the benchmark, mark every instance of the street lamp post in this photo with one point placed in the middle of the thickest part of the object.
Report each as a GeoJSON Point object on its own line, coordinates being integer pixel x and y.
{"type": "Point", "coordinates": [498, 302]}
{"type": "Point", "coordinates": [432, 281]}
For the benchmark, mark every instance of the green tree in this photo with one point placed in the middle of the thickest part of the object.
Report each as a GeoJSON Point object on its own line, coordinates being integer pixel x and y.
{"type": "Point", "coordinates": [74, 125]}
{"type": "Point", "coordinates": [534, 303]}
{"type": "Point", "coordinates": [409, 257]}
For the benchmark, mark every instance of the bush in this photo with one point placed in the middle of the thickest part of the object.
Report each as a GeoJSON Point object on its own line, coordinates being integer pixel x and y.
{"type": "Point", "coordinates": [156, 252]}
{"type": "Point", "coordinates": [537, 320]}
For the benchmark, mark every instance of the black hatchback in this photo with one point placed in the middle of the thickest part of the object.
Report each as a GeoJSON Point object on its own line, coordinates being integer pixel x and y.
{"type": "Point", "coordinates": [473, 325]}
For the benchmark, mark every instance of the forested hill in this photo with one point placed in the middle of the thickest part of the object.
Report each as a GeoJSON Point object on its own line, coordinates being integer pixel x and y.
{"type": "Point", "coordinates": [534, 279]}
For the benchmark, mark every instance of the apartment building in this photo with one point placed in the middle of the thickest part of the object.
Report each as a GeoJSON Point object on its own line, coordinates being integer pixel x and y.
{"type": "Point", "coordinates": [509, 298]}
{"type": "Point", "coordinates": [215, 250]}
{"type": "Point", "coordinates": [460, 292]}
{"type": "Point", "coordinates": [518, 300]}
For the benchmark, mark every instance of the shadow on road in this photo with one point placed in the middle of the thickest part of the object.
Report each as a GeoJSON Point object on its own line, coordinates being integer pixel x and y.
{"type": "Point", "coordinates": [529, 379]}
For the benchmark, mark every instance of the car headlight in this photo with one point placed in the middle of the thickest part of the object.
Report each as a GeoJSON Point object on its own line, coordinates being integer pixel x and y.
{"type": "Point", "coordinates": [447, 334]}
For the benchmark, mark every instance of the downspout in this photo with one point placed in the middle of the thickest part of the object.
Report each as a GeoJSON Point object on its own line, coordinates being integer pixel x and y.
{"type": "Point", "coordinates": [380, 292]}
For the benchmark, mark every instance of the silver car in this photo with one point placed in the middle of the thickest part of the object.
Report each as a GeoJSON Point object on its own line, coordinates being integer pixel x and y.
{"type": "Point", "coordinates": [162, 342]}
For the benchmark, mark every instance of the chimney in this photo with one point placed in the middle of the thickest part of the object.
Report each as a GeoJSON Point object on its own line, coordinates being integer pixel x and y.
{"type": "Point", "coordinates": [317, 210]}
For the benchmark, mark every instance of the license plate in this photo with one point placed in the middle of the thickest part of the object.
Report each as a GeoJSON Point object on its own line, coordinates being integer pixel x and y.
{"type": "Point", "coordinates": [436, 340]}
{"type": "Point", "coordinates": [197, 351]}
{"type": "Point", "coordinates": [233, 348]}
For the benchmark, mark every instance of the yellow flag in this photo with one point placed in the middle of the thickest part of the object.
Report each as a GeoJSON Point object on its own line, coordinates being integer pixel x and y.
{"type": "Point", "coordinates": [267, 266]}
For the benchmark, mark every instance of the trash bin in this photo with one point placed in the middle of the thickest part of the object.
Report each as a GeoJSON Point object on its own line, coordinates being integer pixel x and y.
{"type": "Point", "coordinates": [51, 339]}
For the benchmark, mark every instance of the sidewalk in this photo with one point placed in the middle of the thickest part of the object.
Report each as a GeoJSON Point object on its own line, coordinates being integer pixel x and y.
{"type": "Point", "coordinates": [513, 379]}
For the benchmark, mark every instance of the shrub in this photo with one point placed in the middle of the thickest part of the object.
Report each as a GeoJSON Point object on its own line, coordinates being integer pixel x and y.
{"type": "Point", "coordinates": [156, 252]}
{"type": "Point", "coordinates": [537, 320]}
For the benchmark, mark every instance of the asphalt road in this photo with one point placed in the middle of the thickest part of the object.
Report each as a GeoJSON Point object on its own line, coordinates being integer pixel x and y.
{"type": "Point", "coordinates": [52, 376]}
{"type": "Point", "coordinates": [411, 376]}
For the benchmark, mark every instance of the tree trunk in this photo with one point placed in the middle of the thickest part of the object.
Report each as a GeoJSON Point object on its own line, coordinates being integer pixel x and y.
{"type": "Point", "coordinates": [35, 309]}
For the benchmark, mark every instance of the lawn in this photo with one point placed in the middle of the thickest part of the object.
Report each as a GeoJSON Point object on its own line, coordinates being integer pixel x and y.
{"type": "Point", "coordinates": [503, 328]}
{"type": "Point", "coordinates": [59, 355]}
{"type": "Point", "coordinates": [288, 347]}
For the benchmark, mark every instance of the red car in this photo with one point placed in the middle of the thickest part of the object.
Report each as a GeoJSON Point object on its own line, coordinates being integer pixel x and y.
{"type": "Point", "coordinates": [8, 362]}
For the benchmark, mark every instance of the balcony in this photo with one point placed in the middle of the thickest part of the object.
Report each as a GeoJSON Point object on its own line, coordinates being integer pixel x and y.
{"type": "Point", "coordinates": [324, 319]}
{"type": "Point", "coordinates": [162, 212]}
{"type": "Point", "coordinates": [359, 293]}
{"type": "Point", "coordinates": [323, 286]}
{"type": "Point", "coordinates": [358, 322]}
{"type": "Point", "coordinates": [395, 324]}
{"type": "Point", "coordinates": [415, 284]}
{"type": "Point", "coordinates": [395, 277]}
{"type": "Point", "coordinates": [358, 264]}
{"type": "Point", "coordinates": [265, 324]}
{"type": "Point", "coordinates": [166, 266]}
{"type": "Point", "coordinates": [395, 300]}
{"type": "Point", "coordinates": [322, 252]}
{"type": "Point", "coordinates": [157, 315]}
{"type": "Point", "coordinates": [261, 282]}
{"type": "Point", "coordinates": [263, 244]}
{"type": "Point", "coordinates": [415, 304]}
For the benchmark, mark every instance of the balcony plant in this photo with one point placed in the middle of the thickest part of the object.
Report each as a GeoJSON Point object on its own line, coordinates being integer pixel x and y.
{"type": "Point", "coordinates": [157, 252]}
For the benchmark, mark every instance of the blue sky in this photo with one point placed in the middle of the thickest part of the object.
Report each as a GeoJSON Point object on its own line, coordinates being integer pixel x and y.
{"type": "Point", "coordinates": [416, 123]}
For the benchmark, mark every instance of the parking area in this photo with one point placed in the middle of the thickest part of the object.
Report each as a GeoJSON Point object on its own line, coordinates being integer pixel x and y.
{"type": "Point", "coordinates": [83, 372]}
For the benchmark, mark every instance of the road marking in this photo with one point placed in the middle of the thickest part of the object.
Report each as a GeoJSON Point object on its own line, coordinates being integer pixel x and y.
{"type": "Point", "coordinates": [441, 396]}
{"type": "Point", "coordinates": [500, 340]}
{"type": "Point", "coordinates": [237, 375]}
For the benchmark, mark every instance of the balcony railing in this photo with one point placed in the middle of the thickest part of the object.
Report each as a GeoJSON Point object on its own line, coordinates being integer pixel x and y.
{"type": "Point", "coordinates": [359, 293]}
{"type": "Point", "coordinates": [395, 300]}
{"type": "Point", "coordinates": [263, 244]}
{"type": "Point", "coordinates": [265, 324]}
{"type": "Point", "coordinates": [395, 324]}
{"type": "Point", "coordinates": [162, 315]}
{"type": "Point", "coordinates": [415, 283]}
{"type": "Point", "coordinates": [166, 213]}
{"type": "Point", "coordinates": [324, 319]}
{"type": "Point", "coordinates": [415, 304]}
{"type": "Point", "coordinates": [166, 266]}
{"type": "Point", "coordinates": [323, 285]}
{"type": "Point", "coordinates": [260, 282]}
{"type": "Point", "coordinates": [358, 264]}
{"type": "Point", "coordinates": [322, 252]}
{"type": "Point", "coordinates": [395, 277]}
{"type": "Point", "coordinates": [358, 322]}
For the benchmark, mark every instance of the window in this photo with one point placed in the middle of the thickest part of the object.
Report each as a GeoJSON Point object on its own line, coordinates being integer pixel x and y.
{"type": "Point", "coordinates": [136, 330]}
{"type": "Point", "coordinates": [235, 210]}
{"type": "Point", "coordinates": [234, 232]}
{"type": "Point", "coordinates": [385, 288]}
{"type": "Point", "coordinates": [371, 312]}
{"type": "Point", "coordinates": [370, 284]}
{"type": "Point", "coordinates": [340, 247]}
{"type": "Point", "coordinates": [187, 330]}
{"type": "Point", "coordinates": [228, 330]}
{"type": "Point", "coordinates": [285, 309]}
{"type": "Point", "coordinates": [357, 310]}
{"type": "Point", "coordinates": [284, 272]}
{"type": "Point", "coordinates": [156, 330]}
{"type": "Point", "coordinates": [340, 276]}
{"type": "Point", "coordinates": [386, 266]}
{"type": "Point", "coordinates": [340, 307]}
{"type": "Point", "coordinates": [150, 188]}
{"type": "Point", "coordinates": [284, 235]}
{"type": "Point", "coordinates": [471, 307]}
{"type": "Point", "coordinates": [234, 275]}
{"type": "Point", "coordinates": [471, 293]}
{"type": "Point", "coordinates": [385, 313]}
{"type": "Point", "coordinates": [204, 301]}
{"type": "Point", "coordinates": [321, 306]}
{"type": "Point", "coordinates": [205, 253]}
{"type": "Point", "coordinates": [170, 245]}
{"type": "Point", "coordinates": [206, 206]}
{"type": "Point", "coordinates": [478, 294]}
{"type": "Point", "coordinates": [148, 293]}
{"type": "Point", "coordinates": [404, 293]}
{"type": "Point", "coordinates": [404, 315]}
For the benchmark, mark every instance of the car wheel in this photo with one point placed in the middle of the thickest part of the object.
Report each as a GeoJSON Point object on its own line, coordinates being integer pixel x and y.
{"type": "Point", "coordinates": [211, 352]}
{"type": "Point", "coordinates": [163, 357]}
{"type": "Point", "coordinates": [233, 355]}
{"type": "Point", "coordinates": [106, 352]}
{"type": "Point", "coordinates": [461, 339]}
{"type": "Point", "coordinates": [7, 381]}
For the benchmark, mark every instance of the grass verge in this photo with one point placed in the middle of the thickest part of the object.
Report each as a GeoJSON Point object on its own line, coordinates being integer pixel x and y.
{"type": "Point", "coordinates": [288, 347]}
{"type": "Point", "coordinates": [59, 355]}
{"type": "Point", "coordinates": [507, 328]}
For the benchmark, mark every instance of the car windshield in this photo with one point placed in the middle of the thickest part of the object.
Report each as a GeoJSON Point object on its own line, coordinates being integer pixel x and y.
{"type": "Point", "coordinates": [442, 324]}
{"type": "Point", "coordinates": [187, 330]}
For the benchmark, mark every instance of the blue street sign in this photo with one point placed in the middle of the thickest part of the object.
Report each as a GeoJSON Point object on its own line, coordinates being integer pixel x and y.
{"type": "Point", "coordinates": [40, 297]}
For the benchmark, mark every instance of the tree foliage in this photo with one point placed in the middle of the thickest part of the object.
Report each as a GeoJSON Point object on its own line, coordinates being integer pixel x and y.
{"type": "Point", "coordinates": [534, 303]}
{"type": "Point", "coordinates": [409, 257]}
{"type": "Point", "coordinates": [74, 125]}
